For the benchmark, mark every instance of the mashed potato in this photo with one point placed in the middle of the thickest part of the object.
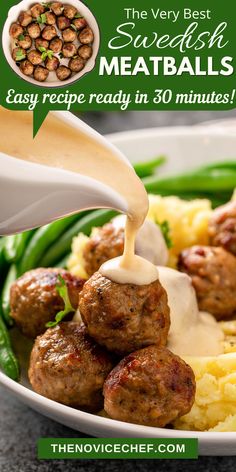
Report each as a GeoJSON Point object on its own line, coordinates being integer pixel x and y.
{"type": "Point", "coordinates": [188, 221]}
{"type": "Point", "coordinates": [214, 408]}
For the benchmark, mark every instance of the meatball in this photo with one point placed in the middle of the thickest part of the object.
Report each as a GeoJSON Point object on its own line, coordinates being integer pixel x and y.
{"type": "Point", "coordinates": [18, 54]}
{"type": "Point", "coordinates": [52, 63]}
{"type": "Point", "coordinates": [35, 301]}
{"type": "Point", "coordinates": [213, 274]}
{"type": "Point", "coordinates": [107, 243]}
{"type": "Point", "coordinates": [37, 10]}
{"type": "Point", "coordinates": [63, 22]}
{"type": "Point", "coordinates": [151, 387]}
{"type": "Point", "coordinates": [24, 41]}
{"type": "Point", "coordinates": [63, 73]}
{"type": "Point", "coordinates": [27, 67]}
{"type": "Point", "coordinates": [41, 43]}
{"type": "Point", "coordinates": [34, 30]}
{"type": "Point", "coordinates": [76, 64]}
{"type": "Point", "coordinates": [79, 23]}
{"type": "Point", "coordinates": [50, 18]}
{"type": "Point", "coordinates": [69, 35]}
{"type": "Point", "coordinates": [49, 32]}
{"type": "Point", "coordinates": [125, 317]}
{"type": "Point", "coordinates": [25, 19]}
{"type": "Point", "coordinates": [56, 45]}
{"type": "Point", "coordinates": [70, 11]}
{"type": "Point", "coordinates": [57, 8]}
{"type": "Point", "coordinates": [85, 52]}
{"type": "Point", "coordinates": [15, 30]}
{"type": "Point", "coordinates": [222, 227]}
{"type": "Point", "coordinates": [35, 57]}
{"type": "Point", "coordinates": [67, 366]}
{"type": "Point", "coordinates": [86, 36]}
{"type": "Point", "coordinates": [69, 50]}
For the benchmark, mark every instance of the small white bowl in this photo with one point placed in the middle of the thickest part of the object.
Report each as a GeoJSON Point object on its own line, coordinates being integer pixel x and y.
{"type": "Point", "coordinates": [52, 80]}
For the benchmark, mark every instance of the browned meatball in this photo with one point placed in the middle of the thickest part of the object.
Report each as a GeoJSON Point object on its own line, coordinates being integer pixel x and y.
{"type": "Point", "coordinates": [18, 54]}
{"type": "Point", "coordinates": [57, 8]}
{"type": "Point", "coordinates": [69, 35]}
{"type": "Point", "coordinates": [15, 30]}
{"type": "Point", "coordinates": [37, 10]}
{"type": "Point", "coordinates": [56, 45]}
{"type": "Point", "coordinates": [67, 366]}
{"type": "Point", "coordinates": [49, 32]}
{"type": "Point", "coordinates": [125, 317]}
{"type": "Point", "coordinates": [86, 36]}
{"type": "Point", "coordinates": [79, 23]}
{"type": "Point", "coordinates": [69, 50]}
{"type": "Point", "coordinates": [222, 227]}
{"type": "Point", "coordinates": [63, 73]}
{"type": "Point", "coordinates": [76, 64]}
{"type": "Point", "coordinates": [52, 63]}
{"type": "Point", "coordinates": [25, 18]}
{"type": "Point", "coordinates": [63, 22]}
{"type": "Point", "coordinates": [35, 57]}
{"type": "Point", "coordinates": [50, 18]}
{"type": "Point", "coordinates": [151, 387]}
{"type": "Point", "coordinates": [41, 43]}
{"type": "Point", "coordinates": [85, 52]}
{"type": "Point", "coordinates": [41, 73]}
{"type": "Point", "coordinates": [35, 301]}
{"type": "Point", "coordinates": [27, 68]}
{"type": "Point", "coordinates": [24, 41]}
{"type": "Point", "coordinates": [34, 30]}
{"type": "Point", "coordinates": [213, 274]}
{"type": "Point", "coordinates": [70, 11]}
{"type": "Point", "coordinates": [107, 243]}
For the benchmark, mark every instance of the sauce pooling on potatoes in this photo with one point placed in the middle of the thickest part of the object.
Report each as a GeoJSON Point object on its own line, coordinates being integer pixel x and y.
{"type": "Point", "coordinates": [59, 145]}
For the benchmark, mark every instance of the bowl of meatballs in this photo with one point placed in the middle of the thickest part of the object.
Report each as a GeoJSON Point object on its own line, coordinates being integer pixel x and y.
{"type": "Point", "coordinates": [51, 43]}
{"type": "Point", "coordinates": [117, 360]}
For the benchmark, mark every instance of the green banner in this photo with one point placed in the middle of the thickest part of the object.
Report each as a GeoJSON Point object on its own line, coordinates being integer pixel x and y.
{"type": "Point", "coordinates": [117, 448]}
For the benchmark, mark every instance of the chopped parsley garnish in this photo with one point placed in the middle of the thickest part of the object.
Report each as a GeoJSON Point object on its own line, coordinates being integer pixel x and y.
{"type": "Point", "coordinates": [46, 53]}
{"type": "Point", "coordinates": [165, 229]}
{"type": "Point", "coordinates": [20, 55]}
{"type": "Point", "coordinates": [42, 19]}
{"type": "Point", "coordinates": [62, 290]}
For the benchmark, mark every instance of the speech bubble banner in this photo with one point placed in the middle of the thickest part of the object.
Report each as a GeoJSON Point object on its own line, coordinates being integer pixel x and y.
{"type": "Point", "coordinates": [122, 56]}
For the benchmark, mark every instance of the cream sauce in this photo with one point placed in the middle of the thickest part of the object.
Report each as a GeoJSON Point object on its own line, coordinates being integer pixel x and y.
{"type": "Point", "coordinates": [192, 333]}
{"type": "Point", "coordinates": [59, 145]}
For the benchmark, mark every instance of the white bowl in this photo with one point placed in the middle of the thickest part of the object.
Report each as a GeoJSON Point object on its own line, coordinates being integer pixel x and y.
{"type": "Point", "coordinates": [52, 80]}
{"type": "Point", "coordinates": [186, 148]}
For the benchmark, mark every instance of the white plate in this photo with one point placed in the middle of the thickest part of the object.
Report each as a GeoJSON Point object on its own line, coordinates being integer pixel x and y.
{"type": "Point", "coordinates": [186, 148]}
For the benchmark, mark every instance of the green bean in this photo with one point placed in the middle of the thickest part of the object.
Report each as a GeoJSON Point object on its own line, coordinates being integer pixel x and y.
{"type": "Point", "coordinates": [11, 277]}
{"type": "Point", "coordinates": [8, 361]}
{"type": "Point", "coordinates": [21, 241]}
{"type": "Point", "coordinates": [9, 248]}
{"type": "Point", "coordinates": [221, 165]}
{"type": "Point", "coordinates": [196, 181]}
{"type": "Point", "coordinates": [63, 262]}
{"type": "Point", "coordinates": [41, 241]}
{"type": "Point", "coordinates": [63, 245]}
{"type": "Point", "coordinates": [144, 169]}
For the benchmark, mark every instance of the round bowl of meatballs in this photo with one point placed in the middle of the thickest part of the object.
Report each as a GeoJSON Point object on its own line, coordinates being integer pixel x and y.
{"type": "Point", "coordinates": [51, 43]}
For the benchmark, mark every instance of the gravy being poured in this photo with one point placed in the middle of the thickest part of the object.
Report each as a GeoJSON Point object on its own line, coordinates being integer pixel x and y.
{"type": "Point", "coordinates": [59, 145]}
